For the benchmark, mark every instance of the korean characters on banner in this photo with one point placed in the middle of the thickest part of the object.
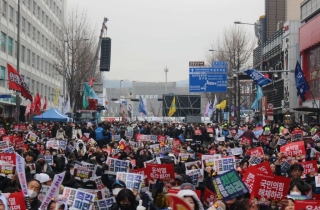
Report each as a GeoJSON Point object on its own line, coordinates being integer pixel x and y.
{"type": "Point", "coordinates": [193, 166]}
{"type": "Point", "coordinates": [208, 197]}
{"type": "Point", "coordinates": [184, 157]}
{"type": "Point", "coordinates": [229, 185]}
{"type": "Point", "coordinates": [195, 176]}
{"type": "Point", "coordinates": [208, 160]}
{"type": "Point", "coordinates": [307, 204]}
{"type": "Point", "coordinates": [133, 181]}
{"type": "Point", "coordinates": [7, 170]}
{"type": "Point", "coordinates": [16, 200]}
{"type": "Point", "coordinates": [295, 150]}
{"type": "Point", "coordinates": [78, 199]}
{"type": "Point", "coordinates": [310, 168]}
{"type": "Point", "coordinates": [258, 152]}
{"type": "Point", "coordinates": [224, 164]}
{"type": "Point", "coordinates": [267, 187]}
{"type": "Point", "coordinates": [246, 141]}
{"type": "Point", "coordinates": [8, 158]}
{"type": "Point", "coordinates": [160, 171]}
{"type": "Point", "coordinates": [104, 204]}
{"type": "Point", "coordinates": [82, 173]}
{"type": "Point", "coordinates": [116, 165]}
{"type": "Point", "coordinates": [296, 135]}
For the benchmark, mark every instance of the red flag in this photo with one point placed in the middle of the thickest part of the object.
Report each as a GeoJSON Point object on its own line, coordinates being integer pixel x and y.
{"type": "Point", "coordinates": [17, 83]}
{"type": "Point", "coordinates": [37, 104]}
{"type": "Point", "coordinates": [32, 108]}
{"type": "Point", "coordinates": [45, 103]}
{"type": "Point", "coordinates": [91, 81]}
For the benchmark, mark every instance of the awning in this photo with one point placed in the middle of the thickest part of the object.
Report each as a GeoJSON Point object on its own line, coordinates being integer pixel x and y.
{"type": "Point", "coordinates": [307, 109]}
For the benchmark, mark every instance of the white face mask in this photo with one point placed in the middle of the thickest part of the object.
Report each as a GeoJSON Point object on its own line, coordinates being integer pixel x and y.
{"type": "Point", "coordinates": [32, 194]}
{"type": "Point", "coordinates": [295, 193]}
{"type": "Point", "coordinates": [54, 153]}
{"type": "Point", "coordinates": [115, 191]}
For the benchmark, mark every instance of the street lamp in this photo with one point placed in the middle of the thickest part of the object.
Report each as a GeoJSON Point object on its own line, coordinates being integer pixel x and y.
{"type": "Point", "coordinates": [166, 71]}
{"type": "Point", "coordinates": [261, 55]}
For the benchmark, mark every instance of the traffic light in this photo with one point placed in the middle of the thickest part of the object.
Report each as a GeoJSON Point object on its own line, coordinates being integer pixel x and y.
{"type": "Point", "coordinates": [105, 55]}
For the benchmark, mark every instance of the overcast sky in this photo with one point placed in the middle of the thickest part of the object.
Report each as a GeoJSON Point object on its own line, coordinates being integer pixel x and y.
{"type": "Point", "coordinates": [148, 35]}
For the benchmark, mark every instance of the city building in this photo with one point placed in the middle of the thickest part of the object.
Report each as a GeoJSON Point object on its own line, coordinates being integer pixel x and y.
{"type": "Point", "coordinates": [310, 51]}
{"type": "Point", "coordinates": [39, 22]}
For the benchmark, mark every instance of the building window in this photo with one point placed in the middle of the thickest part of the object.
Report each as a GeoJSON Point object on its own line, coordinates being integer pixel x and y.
{"type": "Point", "coordinates": [2, 76]}
{"type": "Point", "coordinates": [41, 91]}
{"type": "Point", "coordinates": [39, 12]}
{"type": "Point", "coordinates": [34, 33]}
{"type": "Point", "coordinates": [47, 21]}
{"type": "Point", "coordinates": [3, 42]}
{"type": "Point", "coordinates": [34, 8]}
{"type": "Point", "coordinates": [33, 59]}
{"type": "Point", "coordinates": [11, 12]}
{"type": "Point", "coordinates": [27, 81]}
{"type": "Point", "coordinates": [29, 28]}
{"type": "Point", "coordinates": [38, 37]}
{"type": "Point", "coordinates": [29, 4]}
{"type": "Point", "coordinates": [16, 49]}
{"type": "Point", "coordinates": [37, 90]}
{"type": "Point", "coordinates": [23, 51]}
{"type": "Point", "coordinates": [17, 18]}
{"type": "Point", "coordinates": [41, 64]}
{"type": "Point", "coordinates": [10, 46]}
{"type": "Point", "coordinates": [42, 41]}
{"type": "Point", "coordinates": [23, 24]}
{"type": "Point", "coordinates": [42, 17]}
{"type": "Point", "coordinates": [32, 86]}
{"type": "Point", "coordinates": [28, 57]}
{"type": "Point", "coordinates": [4, 8]}
{"type": "Point", "coordinates": [38, 62]}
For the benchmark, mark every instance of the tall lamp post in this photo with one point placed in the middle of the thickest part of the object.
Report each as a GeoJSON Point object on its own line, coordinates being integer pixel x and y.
{"type": "Point", "coordinates": [166, 71]}
{"type": "Point", "coordinates": [261, 58]}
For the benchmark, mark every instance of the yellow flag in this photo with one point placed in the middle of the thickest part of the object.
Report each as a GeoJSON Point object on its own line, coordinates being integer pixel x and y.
{"type": "Point", "coordinates": [56, 98]}
{"type": "Point", "coordinates": [222, 105]}
{"type": "Point", "coordinates": [173, 108]}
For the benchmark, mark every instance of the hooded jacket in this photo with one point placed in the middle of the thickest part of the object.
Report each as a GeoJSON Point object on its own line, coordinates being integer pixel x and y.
{"type": "Point", "coordinates": [183, 193]}
{"type": "Point", "coordinates": [42, 168]}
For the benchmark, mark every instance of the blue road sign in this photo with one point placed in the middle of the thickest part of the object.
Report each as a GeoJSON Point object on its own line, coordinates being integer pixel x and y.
{"type": "Point", "coordinates": [209, 79]}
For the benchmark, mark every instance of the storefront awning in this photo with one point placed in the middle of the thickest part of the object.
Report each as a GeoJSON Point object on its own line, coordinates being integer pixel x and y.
{"type": "Point", "coordinates": [307, 109]}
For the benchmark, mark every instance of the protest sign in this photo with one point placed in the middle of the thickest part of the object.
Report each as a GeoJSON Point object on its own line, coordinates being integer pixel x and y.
{"type": "Point", "coordinates": [160, 171]}
{"type": "Point", "coordinates": [49, 159]}
{"type": "Point", "coordinates": [270, 187]}
{"type": "Point", "coordinates": [53, 190]}
{"type": "Point", "coordinates": [229, 185]}
{"type": "Point", "coordinates": [177, 203]}
{"type": "Point", "coordinates": [306, 204]}
{"type": "Point", "coordinates": [193, 165]}
{"type": "Point", "coordinates": [208, 160]}
{"type": "Point", "coordinates": [69, 194]}
{"type": "Point", "coordinates": [223, 164]}
{"type": "Point", "coordinates": [281, 142]}
{"type": "Point", "coordinates": [254, 160]}
{"type": "Point", "coordinates": [62, 144]}
{"type": "Point", "coordinates": [208, 197]}
{"type": "Point", "coordinates": [237, 151]}
{"type": "Point", "coordinates": [98, 182]}
{"type": "Point", "coordinates": [296, 135]}
{"type": "Point", "coordinates": [44, 190]}
{"type": "Point", "coordinates": [153, 137]}
{"type": "Point", "coordinates": [83, 200]}
{"type": "Point", "coordinates": [155, 148]}
{"type": "Point", "coordinates": [7, 138]}
{"type": "Point", "coordinates": [138, 171]}
{"type": "Point", "coordinates": [133, 181]}
{"type": "Point", "coordinates": [128, 134]}
{"type": "Point", "coordinates": [16, 201]}
{"type": "Point", "coordinates": [116, 137]}
{"type": "Point", "coordinates": [8, 158]}
{"type": "Point", "coordinates": [209, 130]}
{"type": "Point", "coordinates": [222, 138]}
{"type": "Point", "coordinates": [246, 140]}
{"type": "Point", "coordinates": [176, 142]}
{"type": "Point", "coordinates": [295, 150]}
{"type": "Point", "coordinates": [194, 176]}
{"type": "Point", "coordinates": [32, 137]}
{"type": "Point", "coordinates": [7, 170]}
{"type": "Point", "coordinates": [264, 167]}
{"type": "Point", "coordinates": [4, 144]}
{"type": "Point", "coordinates": [317, 180]}
{"type": "Point", "coordinates": [263, 139]}
{"type": "Point", "coordinates": [310, 167]}
{"type": "Point", "coordinates": [116, 165]}
{"type": "Point", "coordinates": [139, 137]}
{"type": "Point", "coordinates": [2, 131]}
{"type": "Point", "coordinates": [184, 156]}
{"type": "Point", "coordinates": [161, 138]}
{"type": "Point", "coordinates": [198, 132]}
{"type": "Point", "coordinates": [258, 133]}
{"type": "Point", "coordinates": [285, 165]}
{"type": "Point", "coordinates": [22, 177]}
{"type": "Point", "coordinates": [82, 173]}
{"type": "Point", "coordinates": [18, 143]}
{"type": "Point", "coordinates": [249, 176]}
{"type": "Point", "coordinates": [104, 204]}
{"type": "Point", "coordinates": [258, 152]}
{"type": "Point", "coordinates": [149, 161]}
{"type": "Point", "coordinates": [8, 150]}
{"type": "Point", "coordinates": [212, 151]}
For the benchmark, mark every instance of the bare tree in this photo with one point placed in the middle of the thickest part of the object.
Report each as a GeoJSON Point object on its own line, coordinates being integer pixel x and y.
{"type": "Point", "coordinates": [75, 49]}
{"type": "Point", "coordinates": [235, 47]}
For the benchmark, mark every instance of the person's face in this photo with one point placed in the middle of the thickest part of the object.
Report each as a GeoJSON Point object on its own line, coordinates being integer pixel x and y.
{"type": "Point", "coordinates": [193, 167]}
{"type": "Point", "coordinates": [273, 168]}
{"type": "Point", "coordinates": [189, 201]}
{"type": "Point", "coordinates": [42, 147]}
{"type": "Point", "coordinates": [290, 205]}
{"type": "Point", "coordinates": [2, 207]}
{"type": "Point", "coordinates": [245, 166]}
{"type": "Point", "coordinates": [29, 158]}
{"type": "Point", "coordinates": [47, 152]}
{"type": "Point", "coordinates": [296, 173]}
{"type": "Point", "coordinates": [295, 189]}
{"type": "Point", "coordinates": [49, 183]}
{"type": "Point", "coordinates": [52, 206]}
{"type": "Point", "coordinates": [35, 186]}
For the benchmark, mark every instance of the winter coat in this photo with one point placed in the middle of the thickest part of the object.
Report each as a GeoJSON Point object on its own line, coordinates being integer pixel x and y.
{"type": "Point", "coordinates": [42, 168]}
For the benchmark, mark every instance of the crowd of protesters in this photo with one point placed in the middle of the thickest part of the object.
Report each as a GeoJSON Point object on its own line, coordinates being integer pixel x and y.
{"type": "Point", "coordinates": [94, 144]}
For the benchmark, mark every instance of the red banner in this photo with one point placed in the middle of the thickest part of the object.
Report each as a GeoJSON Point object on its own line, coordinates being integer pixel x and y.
{"type": "Point", "coordinates": [17, 83]}
{"type": "Point", "coordinates": [249, 177]}
{"type": "Point", "coordinates": [17, 200]}
{"type": "Point", "coordinates": [161, 138]}
{"type": "Point", "coordinates": [138, 171]}
{"type": "Point", "coordinates": [310, 167]}
{"type": "Point", "coordinates": [160, 171]}
{"type": "Point", "coordinates": [18, 143]}
{"type": "Point", "coordinates": [8, 158]}
{"type": "Point", "coordinates": [264, 167]}
{"type": "Point", "coordinates": [306, 204]}
{"type": "Point", "coordinates": [208, 197]}
{"type": "Point", "coordinates": [270, 187]}
{"type": "Point", "coordinates": [258, 152]}
{"type": "Point", "coordinates": [2, 131]}
{"type": "Point", "coordinates": [209, 130]}
{"type": "Point", "coordinates": [246, 140]}
{"type": "Point", "coordinates": [139, 137]}
{"type": "Point", "coordinates": [198, 132]}
{"type": "Point", "coordinates": [176, 142]}
{"type": "Point", "coordinates": [263, 139]}
{"type": "Point", "coordinates": [297, 135]}
{"type": "Point", "coordinates": [295, 149]}
{"type": "Point", "coordinates": [177, 203]}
